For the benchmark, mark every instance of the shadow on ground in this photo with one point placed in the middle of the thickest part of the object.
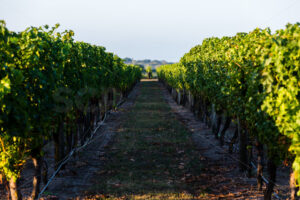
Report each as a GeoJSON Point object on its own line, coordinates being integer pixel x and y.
{"type": "Point", "coordinates": [152, 156]}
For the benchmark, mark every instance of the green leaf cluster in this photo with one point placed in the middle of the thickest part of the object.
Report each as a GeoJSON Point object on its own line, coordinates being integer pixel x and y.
{"type": "Point", "coordinates": [251, 76]}
{"type": "Point", "coordinates": [35, 65]}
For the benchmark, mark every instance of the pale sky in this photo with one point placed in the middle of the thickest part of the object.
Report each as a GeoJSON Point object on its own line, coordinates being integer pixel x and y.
{"type": "Point", "coordinates": [153, 29]}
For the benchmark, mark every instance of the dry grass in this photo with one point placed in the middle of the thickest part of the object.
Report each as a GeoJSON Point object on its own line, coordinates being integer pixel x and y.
{"type": "Point", "coordinates": [152, 156]}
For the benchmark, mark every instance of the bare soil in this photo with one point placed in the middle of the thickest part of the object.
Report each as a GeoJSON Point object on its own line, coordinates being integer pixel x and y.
{"type": "Point", "coordinates": [76, 175]}
{"type": "Point", "coordinates": [151, 148]}
{"type": "Point", "coordinates": [223, 175]}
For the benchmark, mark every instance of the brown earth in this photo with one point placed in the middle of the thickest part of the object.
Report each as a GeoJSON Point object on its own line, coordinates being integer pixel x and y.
{"type": "Point", "coordinates": [85, 174]}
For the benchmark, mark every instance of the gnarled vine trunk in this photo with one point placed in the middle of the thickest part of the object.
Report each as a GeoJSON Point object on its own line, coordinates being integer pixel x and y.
{"type": "Point", "coordinates": [233, 140]}
{"type": "Point", "coordinates": [272, 179]}
{"type": "Point", "coordinates": [243, 154]}
{"type": "Point", "coordinates": [37, 162]}
{"type": "Point", "coordinates": [260, 165]}
{"type": "Point", "coordinates": [293, 186]}
{"type": "Point", "coordinates": [226, 126]}
{"type": "Point", "coordinates": [59, 141]}
{"type": "Point", "coordinates": [6, 185]}
{"type": "Point", "coordinates": [14, 189]}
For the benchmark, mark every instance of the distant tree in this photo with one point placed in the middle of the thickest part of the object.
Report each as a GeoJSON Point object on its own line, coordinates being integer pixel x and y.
{"type": "Point", "coordinates": [128, 60]}
{"type": "Point", "coordinates": [149, 71]}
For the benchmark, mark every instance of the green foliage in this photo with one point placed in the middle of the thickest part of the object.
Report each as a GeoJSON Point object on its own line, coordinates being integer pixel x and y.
{"type": "Point", "coordinates": [281, 84]}
{"type": "Point", "coordinates": [252, 76]}
{"type": "Point", "coordinates": [173, 74]}
{"type": "Point", "coordinates": [149, 71]}
{"type": "Point", "coordinates": [35, 65]}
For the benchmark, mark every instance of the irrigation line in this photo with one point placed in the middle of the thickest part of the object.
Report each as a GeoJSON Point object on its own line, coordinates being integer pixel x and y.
{"type": "Point", "coordinates": [235, 159]}
{"type": "Point", "coordinates": [254, 166]}
{"type": "Point", "coordinates": [77, 149]}
{"type": "Point", "coordinates": [265, 180]}
{"type": "Point", "coordinates": [65, 160]}
{"type": "Point", "coordinates": [246, 165]}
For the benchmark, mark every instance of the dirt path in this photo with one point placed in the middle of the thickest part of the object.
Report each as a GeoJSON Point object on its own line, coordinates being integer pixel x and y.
{"type": "Point", "coordinates": [151, 157]}
{"type": "Point", "coordinates": [76, 177]}
{"type": "Point", "coordinates": [221, 178]}
{"type": "Point", "coordinates": [154, 156]}
{"type": "Point", "coordinates": [152, 148]}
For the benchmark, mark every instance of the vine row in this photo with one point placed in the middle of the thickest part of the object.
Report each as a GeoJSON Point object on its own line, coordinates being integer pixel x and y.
{"type": "Point", "coordinates": [52, 90]}
{"type": "Point", "coordinates": [252, 80]}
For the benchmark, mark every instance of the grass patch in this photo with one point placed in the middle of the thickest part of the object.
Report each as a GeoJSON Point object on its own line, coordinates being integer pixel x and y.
{"type": "Point", "coordinates": [152, 156]}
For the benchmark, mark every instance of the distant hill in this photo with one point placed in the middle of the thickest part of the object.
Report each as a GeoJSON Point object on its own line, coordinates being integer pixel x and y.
{"type": "Point", "coordinates": [146, 62]}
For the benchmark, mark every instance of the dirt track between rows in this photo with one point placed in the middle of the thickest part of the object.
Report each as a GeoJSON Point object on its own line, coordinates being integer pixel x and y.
{"type": "Point", "coordinates": [151, 148]}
